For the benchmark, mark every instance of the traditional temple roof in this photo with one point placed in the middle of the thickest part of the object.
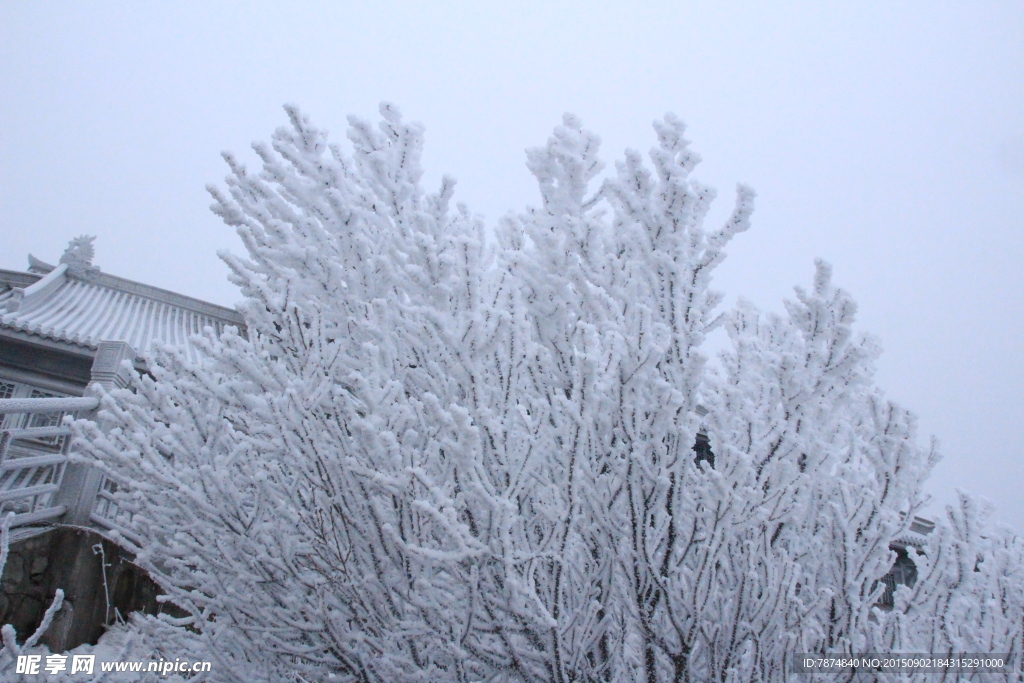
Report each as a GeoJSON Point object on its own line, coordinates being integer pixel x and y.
{"type": "Point", "coordinates": [74, 303]}
{"type": "Point", "coordinates": [916, 535]}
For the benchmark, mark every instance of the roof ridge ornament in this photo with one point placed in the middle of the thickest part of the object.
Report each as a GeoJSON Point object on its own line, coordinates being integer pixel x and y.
{"type": "Point", "coordinates": [38, 266]}
{"type": "Point", "coordinates": [79, 255]}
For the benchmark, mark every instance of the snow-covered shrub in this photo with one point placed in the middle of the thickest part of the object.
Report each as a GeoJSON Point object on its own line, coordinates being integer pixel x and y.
{"type": "Point", "coordinates": [446, 454]}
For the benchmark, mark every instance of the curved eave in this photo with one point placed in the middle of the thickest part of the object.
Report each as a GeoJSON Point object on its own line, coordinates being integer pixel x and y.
{"type": "Point", "coordinates": [55, 343]}
{"type": "Point", "coordinates": [917, 541]}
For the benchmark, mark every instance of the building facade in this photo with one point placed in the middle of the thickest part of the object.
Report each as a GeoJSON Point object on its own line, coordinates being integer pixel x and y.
{"type": "Point", "coordinates": [62, 328]}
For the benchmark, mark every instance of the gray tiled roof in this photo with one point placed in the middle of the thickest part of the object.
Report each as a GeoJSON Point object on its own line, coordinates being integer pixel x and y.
{"type": "Point", "coordinates": [917, 534]}
{"type": "Point", "coordinates": [85, 308]}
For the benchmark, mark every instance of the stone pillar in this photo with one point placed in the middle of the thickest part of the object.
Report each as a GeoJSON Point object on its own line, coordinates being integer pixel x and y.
{"type": "Point", "coordinates": [106, 367]}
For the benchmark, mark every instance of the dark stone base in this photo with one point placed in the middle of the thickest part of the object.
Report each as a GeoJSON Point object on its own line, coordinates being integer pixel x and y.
{"type": "Point", "coordinates": [68, 558]}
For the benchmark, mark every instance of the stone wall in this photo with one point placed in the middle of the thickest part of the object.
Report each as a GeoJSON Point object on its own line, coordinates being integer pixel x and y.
{"type": "Point", "coordinates": [68, 558]}
{"type": "Point", "coordinates": [23, 590]}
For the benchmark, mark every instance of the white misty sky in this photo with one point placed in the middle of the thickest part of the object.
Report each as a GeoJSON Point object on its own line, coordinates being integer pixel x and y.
{"type": "Point", "coordinates": [887, 138]}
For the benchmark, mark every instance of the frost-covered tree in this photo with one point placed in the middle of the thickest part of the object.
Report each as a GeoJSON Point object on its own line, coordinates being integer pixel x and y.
{"type": "Point", "coordinates": [441, 453]}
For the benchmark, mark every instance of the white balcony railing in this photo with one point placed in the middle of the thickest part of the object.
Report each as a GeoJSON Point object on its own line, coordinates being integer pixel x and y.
{"type": "Point", "coordinates": [33, 460]}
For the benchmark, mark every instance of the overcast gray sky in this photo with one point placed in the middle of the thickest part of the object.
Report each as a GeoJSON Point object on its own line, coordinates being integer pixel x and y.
{"type": "Point", "coordinates": [885, 137]}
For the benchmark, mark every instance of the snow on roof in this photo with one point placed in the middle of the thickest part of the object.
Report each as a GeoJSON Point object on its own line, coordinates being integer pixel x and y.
{"type": "Point", "coordinates": [916, 535]}
{"type": "Point", "coordinates": [76, 304]}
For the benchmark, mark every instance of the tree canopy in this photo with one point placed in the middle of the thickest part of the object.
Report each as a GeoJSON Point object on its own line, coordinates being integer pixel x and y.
{"type": "Point", "coordinates": [445, 451]}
